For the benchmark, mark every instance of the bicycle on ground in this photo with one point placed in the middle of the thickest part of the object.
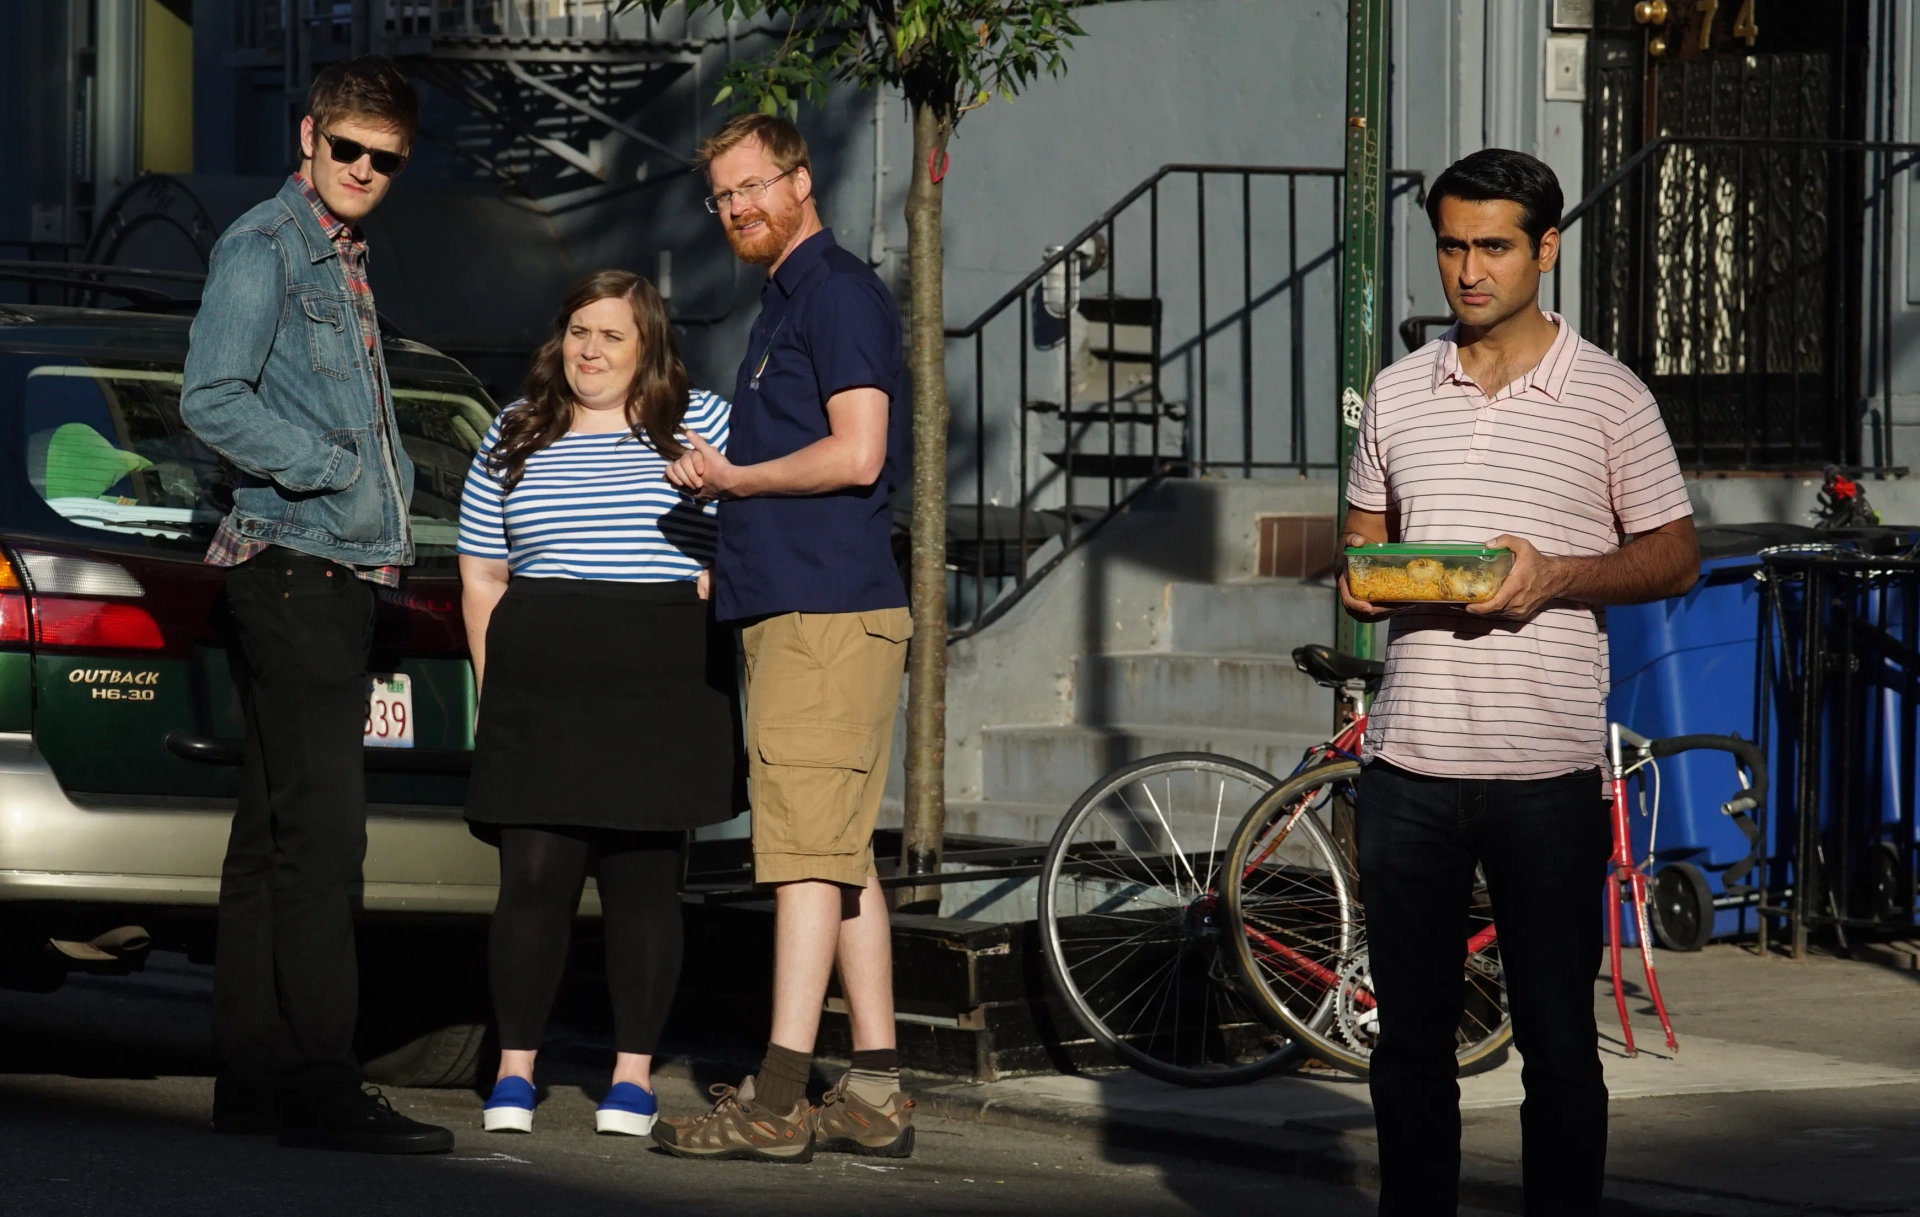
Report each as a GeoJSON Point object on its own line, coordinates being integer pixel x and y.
{"type": "Point", "coordinates": [1136, 926]}
{"type": "Point", "coordinates": [1206, 955]}
{"type": "Point", "coordinates": [1300, 944]}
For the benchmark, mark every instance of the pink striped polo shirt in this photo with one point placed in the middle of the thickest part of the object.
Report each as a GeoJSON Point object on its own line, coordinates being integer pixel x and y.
{"type": "Point", "coordinates": [1570, 456]}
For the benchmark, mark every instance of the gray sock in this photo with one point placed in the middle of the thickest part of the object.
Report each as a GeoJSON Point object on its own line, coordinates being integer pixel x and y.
{"type": "Point", "coordinates": [874, 1076]}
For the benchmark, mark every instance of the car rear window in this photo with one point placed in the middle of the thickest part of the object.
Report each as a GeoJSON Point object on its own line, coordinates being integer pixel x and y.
{"type": "Point", "coordinates": [106, 451]}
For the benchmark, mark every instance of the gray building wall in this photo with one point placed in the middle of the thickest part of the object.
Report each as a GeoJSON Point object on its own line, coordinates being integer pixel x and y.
{"type": "Point", "coordinates": [1471, 74]}
{"type": "Point", "coordinates": [1894, 114]}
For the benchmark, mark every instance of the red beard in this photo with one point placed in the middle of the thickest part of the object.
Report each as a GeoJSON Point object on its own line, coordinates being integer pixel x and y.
{"type": "Point", "coordinates": [763, 247]}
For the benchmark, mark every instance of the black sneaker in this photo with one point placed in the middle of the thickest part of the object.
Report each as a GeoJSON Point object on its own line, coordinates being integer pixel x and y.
{"type": "Point", "coordinates": [361, 1120]}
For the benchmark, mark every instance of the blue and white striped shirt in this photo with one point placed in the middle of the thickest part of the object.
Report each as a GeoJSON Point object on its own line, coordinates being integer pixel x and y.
{"type": "Point", "coordinates": [594, 507]}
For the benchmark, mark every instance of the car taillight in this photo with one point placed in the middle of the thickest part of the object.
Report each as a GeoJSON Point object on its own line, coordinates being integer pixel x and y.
{"type": "Point", "coordinates": [16, 626]}
{"type": "Point", "coordinates": [43, 608]}
{"type": "Point", "coordinates": [49, 574]}
{"type": "Point", "coordinates": [94, 625]}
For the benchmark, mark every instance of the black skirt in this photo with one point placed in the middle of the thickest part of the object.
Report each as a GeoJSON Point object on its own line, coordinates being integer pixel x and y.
{"type": "Point", "coordinates": [606, 705]}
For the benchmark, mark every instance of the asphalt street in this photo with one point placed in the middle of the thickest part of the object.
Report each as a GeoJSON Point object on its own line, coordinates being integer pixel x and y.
{"type": "Point", "coordinates": [105, 1088]}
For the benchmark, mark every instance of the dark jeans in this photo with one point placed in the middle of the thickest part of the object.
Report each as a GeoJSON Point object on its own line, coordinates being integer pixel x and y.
{"type": "Point", "coordinates": [1543, 845]}
{"type": "Point", "coordinates": [286, 984]}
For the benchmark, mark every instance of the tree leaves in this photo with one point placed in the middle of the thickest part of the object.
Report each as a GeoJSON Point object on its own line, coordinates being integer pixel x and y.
{"type": "Point", "coordinates": [952, 55]}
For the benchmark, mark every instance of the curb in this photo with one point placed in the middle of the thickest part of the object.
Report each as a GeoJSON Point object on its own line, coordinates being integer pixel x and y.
{"type": "Point", "coordinates": [1305, 1151]}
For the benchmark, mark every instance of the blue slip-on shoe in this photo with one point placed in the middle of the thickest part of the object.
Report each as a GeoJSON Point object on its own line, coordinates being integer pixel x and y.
{"type": "Point", "coordinates": [627, 1110]}
{"type": "Point", "coordinates": [511, 1107]}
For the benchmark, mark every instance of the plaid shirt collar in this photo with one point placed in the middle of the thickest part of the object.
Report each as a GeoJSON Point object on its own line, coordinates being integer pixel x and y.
{"type": "Point", "coordinates": [336, 229]}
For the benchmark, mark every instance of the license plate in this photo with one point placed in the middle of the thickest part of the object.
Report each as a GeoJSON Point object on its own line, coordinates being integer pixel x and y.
{"type": "Point", "coordinates": [390, 711]}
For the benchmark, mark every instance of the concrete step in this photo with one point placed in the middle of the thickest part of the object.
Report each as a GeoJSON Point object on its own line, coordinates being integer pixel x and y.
{"type": "Point", "coordinates": [1055, 764]}
{"type": "Point", "coordinates": [1248, 692]}
{"type": "Point", "coordinates": [1255, 617]}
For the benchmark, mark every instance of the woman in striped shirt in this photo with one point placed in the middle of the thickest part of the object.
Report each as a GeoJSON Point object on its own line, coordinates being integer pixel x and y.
{"type": "Point", "coordinates": [607, 726]}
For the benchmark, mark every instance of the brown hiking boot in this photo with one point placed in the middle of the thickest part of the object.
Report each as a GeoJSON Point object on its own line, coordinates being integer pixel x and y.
{"type": "Point", "coordinates": [845, 1123]}
{"type": "Point", "coordinates": [737, 1127]}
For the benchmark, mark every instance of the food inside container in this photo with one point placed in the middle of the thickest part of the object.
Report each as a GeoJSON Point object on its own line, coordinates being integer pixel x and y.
{"type": "Point", "coordinates": [1413, 574]}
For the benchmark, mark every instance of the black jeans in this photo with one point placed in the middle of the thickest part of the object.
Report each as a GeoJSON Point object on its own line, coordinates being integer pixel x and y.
{"type": "Point", "coordinates": [1543, 845]}
{"type": "Point", "coordinates": [286, 984]}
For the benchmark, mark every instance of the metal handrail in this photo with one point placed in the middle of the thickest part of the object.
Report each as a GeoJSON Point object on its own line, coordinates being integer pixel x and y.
{"type": "Point", "coordinates": [1133, 471]}
{"type": "Point", "coordinates": [1176, 441]}
{"type": "Point", "coordinates": [1019, 290]}
{"type": "Point", "coordinates": [1072, 539]}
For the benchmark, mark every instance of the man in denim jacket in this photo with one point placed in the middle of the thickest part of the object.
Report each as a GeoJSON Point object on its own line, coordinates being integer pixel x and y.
{"type": "Point", "coordinates": [286, 380]}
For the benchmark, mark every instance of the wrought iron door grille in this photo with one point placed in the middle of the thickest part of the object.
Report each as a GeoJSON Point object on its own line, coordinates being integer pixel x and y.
{"type": "Point", "coordinates": [1741, 255]}
{"type": "Point", "coordinates": [1741, 304]}
{"type": "Point", "coordinates": [1749, 307]}
{"type": "Point", "coordinates": [1611, 284]}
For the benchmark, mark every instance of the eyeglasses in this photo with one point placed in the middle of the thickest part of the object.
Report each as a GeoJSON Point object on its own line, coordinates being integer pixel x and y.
{"type": "Point", "coordinates": [752, 192]}
{"type": "Point", "coordinates": [347, 151]}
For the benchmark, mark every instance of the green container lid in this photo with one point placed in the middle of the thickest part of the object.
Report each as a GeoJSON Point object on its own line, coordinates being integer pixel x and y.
{"type": "Point", "coordinates": [1426, 551]}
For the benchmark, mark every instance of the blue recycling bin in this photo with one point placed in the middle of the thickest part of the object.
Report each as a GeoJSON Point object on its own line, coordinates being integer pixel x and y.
{"type": "Point", "coordinates": [1690, 666]}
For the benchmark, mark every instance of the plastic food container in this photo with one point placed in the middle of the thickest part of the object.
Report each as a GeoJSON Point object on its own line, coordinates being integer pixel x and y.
{"type": "Point", "coordinates": [1412, 574]}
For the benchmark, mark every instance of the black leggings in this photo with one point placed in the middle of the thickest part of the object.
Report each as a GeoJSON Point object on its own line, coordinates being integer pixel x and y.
{"type": "Point", "coordinates": [541, 873]}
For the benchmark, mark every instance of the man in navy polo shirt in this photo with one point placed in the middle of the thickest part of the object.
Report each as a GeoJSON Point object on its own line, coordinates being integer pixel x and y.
{"type": "Point", "coordinates": [806, 566]}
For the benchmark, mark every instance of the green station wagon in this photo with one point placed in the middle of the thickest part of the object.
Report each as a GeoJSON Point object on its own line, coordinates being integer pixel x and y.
{"type": "Point", "coordinates": [120, 728]}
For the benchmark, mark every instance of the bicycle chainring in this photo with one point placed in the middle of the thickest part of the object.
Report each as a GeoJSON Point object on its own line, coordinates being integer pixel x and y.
{"type": "Point", "coordinates": [1359, 1024]}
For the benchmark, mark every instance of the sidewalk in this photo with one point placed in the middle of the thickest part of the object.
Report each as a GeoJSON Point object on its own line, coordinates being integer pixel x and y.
{"type": "Point", "coordinates": [1796, 1089]}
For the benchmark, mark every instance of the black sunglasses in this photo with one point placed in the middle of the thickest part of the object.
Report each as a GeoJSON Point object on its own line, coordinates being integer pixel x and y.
{"type": "Point", "coordinates": [346, 151]}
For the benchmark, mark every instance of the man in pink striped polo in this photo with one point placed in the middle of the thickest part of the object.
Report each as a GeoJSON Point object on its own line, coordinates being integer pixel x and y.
{"type": "Point", "coordinates": [1487, 736]}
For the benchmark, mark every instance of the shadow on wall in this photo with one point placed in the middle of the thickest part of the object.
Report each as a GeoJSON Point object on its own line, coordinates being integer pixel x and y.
{"type": "Point", "coordinates": [1194, 558]}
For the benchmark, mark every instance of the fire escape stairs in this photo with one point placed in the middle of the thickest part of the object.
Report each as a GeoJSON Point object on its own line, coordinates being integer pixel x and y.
{"type": "Point", "coordinates": [564, 108]}
{"type": "Point", "coordinates": [1116, 423]}
{"type": "Point", "coordinates": [549, 84]}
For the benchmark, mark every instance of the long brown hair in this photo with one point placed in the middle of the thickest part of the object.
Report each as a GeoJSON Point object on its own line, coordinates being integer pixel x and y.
{"type": "Point", "coordinates": [656, 401]}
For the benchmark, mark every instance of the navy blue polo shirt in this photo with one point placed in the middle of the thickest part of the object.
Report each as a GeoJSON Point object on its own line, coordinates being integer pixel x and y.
{"type": "Point", "coordinates": [827, 324]}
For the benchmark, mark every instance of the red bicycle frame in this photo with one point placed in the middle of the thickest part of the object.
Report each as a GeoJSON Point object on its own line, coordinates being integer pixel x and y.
{"type": "Point", "coordinates": [1346, 742]}
{"type": "Point", "coordinates": [1627, 883]}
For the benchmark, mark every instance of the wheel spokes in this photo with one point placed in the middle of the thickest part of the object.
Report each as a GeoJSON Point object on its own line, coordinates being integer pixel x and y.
{"type": "Point", "coordinates": [1136, 929]}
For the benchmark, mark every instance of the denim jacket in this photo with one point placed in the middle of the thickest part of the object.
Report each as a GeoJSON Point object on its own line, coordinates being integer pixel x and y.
{"type": "Point", "coordinates": [278, 381]}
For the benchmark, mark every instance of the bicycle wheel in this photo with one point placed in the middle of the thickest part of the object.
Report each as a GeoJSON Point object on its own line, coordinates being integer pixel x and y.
{"type": "Point", "coordinates": [1130, 921]}
{"type": "Point", "coordinates": [1301, 945]}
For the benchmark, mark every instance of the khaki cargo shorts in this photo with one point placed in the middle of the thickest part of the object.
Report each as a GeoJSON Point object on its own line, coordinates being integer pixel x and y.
{"type": "Point", "coordinates": [823, 690]}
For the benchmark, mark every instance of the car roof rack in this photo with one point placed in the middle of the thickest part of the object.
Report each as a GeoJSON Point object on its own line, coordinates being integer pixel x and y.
{"type": "Point", "coordinates": [91, 277]}
{"type": "Point", "coordinates": [86, 276]}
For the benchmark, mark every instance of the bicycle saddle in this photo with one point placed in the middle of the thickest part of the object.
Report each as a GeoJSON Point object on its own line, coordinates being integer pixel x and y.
{"type": "Point", "coordinates": [1330, 668]}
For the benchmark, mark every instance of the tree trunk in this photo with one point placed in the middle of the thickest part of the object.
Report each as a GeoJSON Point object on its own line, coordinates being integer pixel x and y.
{"type": "Point", "coordinates": [926, 799]}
